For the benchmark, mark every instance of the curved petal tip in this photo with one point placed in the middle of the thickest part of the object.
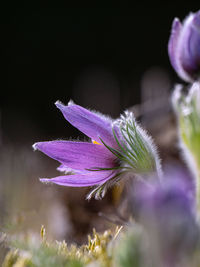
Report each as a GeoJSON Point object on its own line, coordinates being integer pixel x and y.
{"type": "Point", "coordinates": [59, 104]}
{"type": "Point", "coordinates": [38, 145]}
{"type": "Point", "coordinates": [45, 180]}
{"type": "Point", "coordinates": [35, 146]}
{"type": "Point", "coordinates": [176, 23]}
{"type": "Point", "coordinates": [71, 102]}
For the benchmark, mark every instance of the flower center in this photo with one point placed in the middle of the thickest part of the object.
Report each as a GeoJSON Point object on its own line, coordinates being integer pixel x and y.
{"type": "Point", "coordinates": [95, 142]}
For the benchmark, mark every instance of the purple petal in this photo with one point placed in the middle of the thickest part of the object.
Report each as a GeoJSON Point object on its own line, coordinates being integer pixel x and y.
{"type": "Point", "coordinates": [78, 155]}
{"type": "Point", "coordinates": [175, 49]}
{"type": "Point", "coordinates": [186, 45]}
{"type": "Point", "coordinates": [191, 49]}
{"type": "Point", "coordinates": [65, 169]}
{"type": "Point", "coordinates": [173, 40]}
{"type": "Point", "coordinates": [93, 125]}
{"type": "Point", "coordinates": [81, 180]}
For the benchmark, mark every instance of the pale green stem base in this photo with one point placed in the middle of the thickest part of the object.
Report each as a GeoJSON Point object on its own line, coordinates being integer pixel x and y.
{"type": "Point", "coordinates": [198, 191]}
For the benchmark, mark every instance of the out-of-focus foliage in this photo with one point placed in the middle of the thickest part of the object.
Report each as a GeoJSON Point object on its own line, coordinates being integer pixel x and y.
{"type": "Point", "coordinates": [32, 251]}
{"type": "Point", "coordinates": [128, 250]}
{"type": "Point", "coordinates": [188, 113]}
{"type": "Point", "coordinates": [130, 247]}
{"type": "Point", "coordinates": [187, 109]}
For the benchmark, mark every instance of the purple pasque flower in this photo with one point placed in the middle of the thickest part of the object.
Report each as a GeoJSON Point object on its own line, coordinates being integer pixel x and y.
{"type": "Point", "coordinates": [184, 47]}
{"type": "Point", "coordinates": [115, 148]}
{"type": "Point", "coordinates": [166, 209]}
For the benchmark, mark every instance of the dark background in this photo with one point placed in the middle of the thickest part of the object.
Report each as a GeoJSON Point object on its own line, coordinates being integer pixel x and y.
{"type": "Point", "coordinates": [95, 56]}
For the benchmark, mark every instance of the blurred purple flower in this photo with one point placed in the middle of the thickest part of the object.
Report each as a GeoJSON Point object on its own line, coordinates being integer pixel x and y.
{"type": "Point", "coordinates": [184, 47]}
{"type": "Point", "coordinates": [167, 211]}
{"type": "Point", "coordinates": [117, 147]}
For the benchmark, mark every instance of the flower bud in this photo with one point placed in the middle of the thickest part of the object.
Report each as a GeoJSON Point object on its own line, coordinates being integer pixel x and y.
{"type": "Point", "coordinates": [186, 106]}
{"type": "Point", "coordinates": [184, 47]}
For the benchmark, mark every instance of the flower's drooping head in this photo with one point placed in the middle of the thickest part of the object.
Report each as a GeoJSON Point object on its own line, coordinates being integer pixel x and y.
{"type": "Point", "coordinates": [115, 148]}
{"type": "Point", "coordinates": [184, 47]}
